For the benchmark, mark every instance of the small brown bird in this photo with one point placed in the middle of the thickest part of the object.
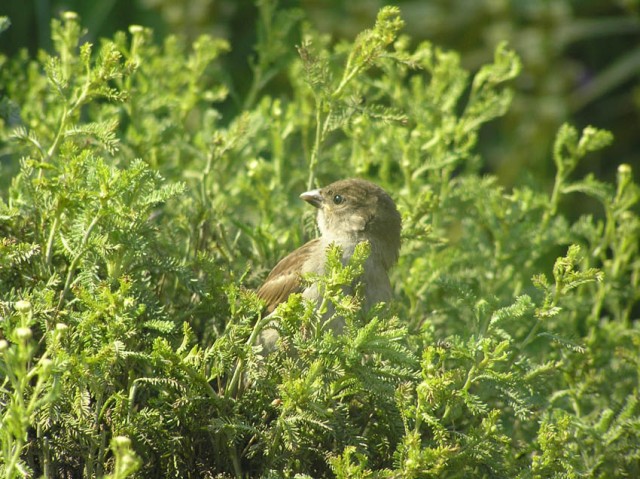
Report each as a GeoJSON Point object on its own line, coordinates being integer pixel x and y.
{"type": "Point", "coordinates": [349, 212]}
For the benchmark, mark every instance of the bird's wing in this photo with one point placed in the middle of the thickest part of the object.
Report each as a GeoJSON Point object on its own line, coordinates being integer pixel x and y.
{"type": "Point", "coordinates": [286, 278]}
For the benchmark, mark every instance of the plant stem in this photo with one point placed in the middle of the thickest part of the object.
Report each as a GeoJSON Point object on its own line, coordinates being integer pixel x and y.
{"type": "Point", "coordinates": [54, 228]}
{"type": "Point", "coordinates": [316, 145]}
{"type": "Point", "coordinates": [553, 205]}
{"type": "Point", "coordinates": [76, 259]}
{"type": "Point", "coordinates": [232, 387]}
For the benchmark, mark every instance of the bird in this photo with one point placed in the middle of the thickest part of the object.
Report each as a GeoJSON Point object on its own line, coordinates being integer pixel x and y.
{"type": "Point", "coordinates": [350, 211]}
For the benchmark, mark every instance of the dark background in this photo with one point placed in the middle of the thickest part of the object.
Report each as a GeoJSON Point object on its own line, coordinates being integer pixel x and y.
{"type": "Point", "coordinates": [581, 58]}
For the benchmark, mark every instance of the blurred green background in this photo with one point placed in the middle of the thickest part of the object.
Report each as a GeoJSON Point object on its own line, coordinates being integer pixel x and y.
{"type": "Point", "coordinates": [581, 59]}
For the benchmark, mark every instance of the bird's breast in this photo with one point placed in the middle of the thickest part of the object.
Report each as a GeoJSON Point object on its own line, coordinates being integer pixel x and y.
{"type": "Point", "coordinates": [374, 279]}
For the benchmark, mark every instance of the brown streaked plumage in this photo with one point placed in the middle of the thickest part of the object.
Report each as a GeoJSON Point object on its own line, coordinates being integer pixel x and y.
{"type": "Point", "coordinates": [349, 212]}
{"type": "Point", "coordinates": [284, 279]}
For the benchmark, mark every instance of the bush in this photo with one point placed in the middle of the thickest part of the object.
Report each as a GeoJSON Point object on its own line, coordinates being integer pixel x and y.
{"type": "Point", "coordinates": [139, 220]}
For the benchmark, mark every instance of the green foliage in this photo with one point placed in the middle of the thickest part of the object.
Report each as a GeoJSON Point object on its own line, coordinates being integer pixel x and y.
{"type": "Point", "coordinates": [139, 218]}
{"type": "Point", "coordinates": [5, 23]}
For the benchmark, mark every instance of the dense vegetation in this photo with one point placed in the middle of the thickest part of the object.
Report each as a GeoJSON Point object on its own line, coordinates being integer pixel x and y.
{"type": "Point", "coordinates": [139, 219]}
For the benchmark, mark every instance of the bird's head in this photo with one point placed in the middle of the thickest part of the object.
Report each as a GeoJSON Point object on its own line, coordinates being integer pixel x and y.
{"type": "Point", "coordinates": [357, 210]}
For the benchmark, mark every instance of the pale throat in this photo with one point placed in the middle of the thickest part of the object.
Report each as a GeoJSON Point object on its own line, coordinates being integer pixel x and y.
{"type": "Point", "coordinates": [350, 231]}
{"type": "Point", "coordinates": [348, 237]}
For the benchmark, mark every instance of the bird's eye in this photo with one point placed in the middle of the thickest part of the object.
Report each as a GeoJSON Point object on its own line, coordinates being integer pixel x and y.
{"type": "Point", "coordinates": [338, 199]}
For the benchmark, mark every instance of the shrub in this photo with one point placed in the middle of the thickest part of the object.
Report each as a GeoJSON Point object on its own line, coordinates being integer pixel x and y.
{"type": "Point", "coordinates": [142, 213]}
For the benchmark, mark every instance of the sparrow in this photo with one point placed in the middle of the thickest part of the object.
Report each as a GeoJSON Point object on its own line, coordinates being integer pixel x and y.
{"type": "Point", "coordinates": [350, 211]}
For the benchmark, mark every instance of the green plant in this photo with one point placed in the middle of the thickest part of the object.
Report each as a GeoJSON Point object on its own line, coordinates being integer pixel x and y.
{"type": "Point", "coordinates": [141, 217]}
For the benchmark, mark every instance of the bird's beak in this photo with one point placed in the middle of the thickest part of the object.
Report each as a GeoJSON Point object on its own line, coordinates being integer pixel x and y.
{"type": "Point", "coordinates": [313, 197]}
